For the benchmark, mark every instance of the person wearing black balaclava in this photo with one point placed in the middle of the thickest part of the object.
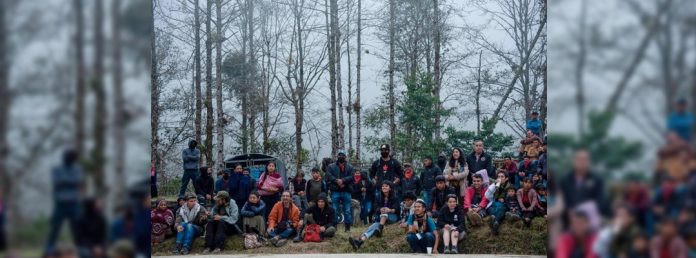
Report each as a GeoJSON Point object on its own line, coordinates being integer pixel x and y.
{"type": "Point", "coordinates": [442, 161]}
{"type": "Point", "coordinates": [190, 156]}
{"type": "Point", "coordinates": [387, 168]}
{"type": "Point", "coordinates": [223, 184]}
{"type": "Point", "coordinates": [205, 186]}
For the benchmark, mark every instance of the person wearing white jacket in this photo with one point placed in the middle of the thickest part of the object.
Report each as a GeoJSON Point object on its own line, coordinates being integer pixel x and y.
{"type": "Point", "coordinates": [495, 207]}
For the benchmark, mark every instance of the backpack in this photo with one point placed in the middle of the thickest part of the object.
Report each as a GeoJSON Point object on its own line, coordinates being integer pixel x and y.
{"type": "Point", "coordinates": [312, 233]}
{"type": "Point", "coordinates": [253, 240]}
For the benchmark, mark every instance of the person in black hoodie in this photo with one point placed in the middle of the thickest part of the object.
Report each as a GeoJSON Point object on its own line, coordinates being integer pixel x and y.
{"type": "Point", "coordinates": [427, 178]}
{"type": "Point", "coordinates": [438, 195]}
{"type": "Point", "coordinates": [478, 160]}
{"type": "Point", "coordinates": [387, 213]}
{"type": "Point", "coordinates": [411, 182]}
{"type": "Point", "coordinates": [241, 186]}
{"type": "Point", "coordinates": [204, 186]}
{"type": "Point", "coordinates": [451, 222]}
{"type": "Point", "coordinates": [321, 214]}
{"type": "Point", "coordinates": [386, 168]}
{"type": "Point", "coordinates": [91, 230]}
{"type": "Point", "coordinates": [362, 191]}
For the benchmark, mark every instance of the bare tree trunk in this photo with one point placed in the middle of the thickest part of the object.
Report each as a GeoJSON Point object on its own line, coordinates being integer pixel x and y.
{"type": "Point", "coordinates": [336, 31]}
{"type": "Point", "coordinates": [332, 79]}
{"type": "Point", "coordinates": [220, 127]}
{"type": "Point", "coordinates": [119, 100]}
{"type": "Point", "coordinates": [543, 110]}
{"type": "Point", "coordinates": [209, 85]}
{"type": "Point", "coordinates": [100, 114]}
{"type": "Point", "coordinates": [580, 69]}
{"type": "Point", "coordinates": [349, 108]}
{"type": "Point", "coordinates": [266, 100]}
{"type": "Point", "coordinates": [244, 92]}
{"type": "Point", "coordinates": [478, 96]}
{"type": "Point", "coordinates": [154, 96]}
{"type": "Point", "coordinates": [299, 110]}
{"type": "Point", "coordinates": [5, 105]}
{"type": "Point", "coordinates": [357, 105]}
{"type": "Point", "coordinates": [80, 77]}
{"type": "Point", "coordinates": [197, 73]}
{"type": "Point", "coordinates": [252, 82]}
{"type": "Point", "coordinates": [392, 99]}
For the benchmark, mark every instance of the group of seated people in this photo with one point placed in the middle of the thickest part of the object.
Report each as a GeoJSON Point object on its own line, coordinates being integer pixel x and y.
{"type": "Point", "coordinates": [431, 205]}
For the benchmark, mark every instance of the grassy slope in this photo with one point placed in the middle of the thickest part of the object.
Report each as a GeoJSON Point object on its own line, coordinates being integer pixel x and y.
{"type": "Point", "coordinates": [513, 239]}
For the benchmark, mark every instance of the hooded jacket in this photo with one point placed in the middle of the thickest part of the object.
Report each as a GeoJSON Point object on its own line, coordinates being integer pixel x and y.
{"type": "Point", "coordinates": [191, 156]}
{"type": "Point", "coordinates": [250, 210]}
{"type": "Point", "coordinates": [323, 217]}
{"type": "Point", "coordinates": [240, 187]}
{"type": "Point", "coordinates": [334, 172]}
{"type": "Point", "coordinates": [231, 212]}
{"type": "Point", "coordinates": [205, 184]}
{"type": "Point", "coordinates": [427, 176]}
{"type": "Point", "coordinates": [438, 198]}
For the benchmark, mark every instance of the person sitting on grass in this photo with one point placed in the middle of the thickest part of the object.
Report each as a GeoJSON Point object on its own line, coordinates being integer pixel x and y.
{"type": "Point", "coordinates": [496, 207]}
{"type": "Point", "coordinates": [162, 220]}
{"type": "Point", "coordinates": [451, 221]}
{"type": "Point", "coordinates": [438, 195]}
{"type": "Point", "coordinates": [387, 204]}
{"type": "Point", "coordinates": [475, 201]}
{"type": "Point", "coordinates": [527, 199]}
{"type": "Point", "coordinates": [225, 215]}
{"type": "Point", "coordinates": [541, 200]}
{"type": "Point", "coordinates": [422, 232]}
{"type": "Point", "coordinates": [321, 214]}
{"type": "Point", "coordinates": [252, 214]}
{"type": "Point", "coordinates": [283, 220]}
{"type": "Point", "coordinates": [406, 209]}
{"type": "Point", "coordinates": [512, 206]}
{"type": "Point", "coordinates": [363, 191]}
{"type": "Point", "coordinates": [668, 242]}
{"type": "Point", "coordinates": [189, 223]}
{"type": "Point", "coordinates": [204, 186]}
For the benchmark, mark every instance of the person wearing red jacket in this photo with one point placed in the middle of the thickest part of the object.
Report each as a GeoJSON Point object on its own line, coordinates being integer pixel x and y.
{"type": "Point", "coordinates": [579, 240]}
{"type": "Point", "coordinates": [475, 201]}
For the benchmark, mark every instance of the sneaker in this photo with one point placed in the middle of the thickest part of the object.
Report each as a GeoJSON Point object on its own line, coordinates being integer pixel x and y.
{"type": "Point", "coordinates": [274, 240]}
{"type": "Point", "coordinates": [206, 250]}
{"type": "Point", "coordinates": [356, 243]}
{"type": "Point", "coordinates": [281, 242]}
{"type": "Point", "coordinates": [297, 239]}
{"type": "Point", "coordinates": [185, 251]}
{"type": "Point", "coordinates": [177, 249]}
{"type": "Point", "coordinates": [217, 250]}
{"type": "Point", "coordinates": [495, 228]}
{"type": "Point", "coordinates": [455, 250]}
{"type": "Point", "coordinates": [447, 250]}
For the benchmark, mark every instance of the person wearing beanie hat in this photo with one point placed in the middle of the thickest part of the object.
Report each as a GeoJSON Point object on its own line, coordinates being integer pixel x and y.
{"type": "Point", "coordinates": [438, 195]}
{"type": "Point", "coordinates": [190, 221]}
{"type": "Point", "coordinates": [224, 214]}
{"type": "Point", "coordinates": [338, 177]}
{"type": "Point", "coordinates": [321, 214]}
{"type": "Point", "coordinates": [422, 232]}
{"type": "Point", "coordinates": [427, 178]}
{"type": "Point", "coordinates": [387, 208]}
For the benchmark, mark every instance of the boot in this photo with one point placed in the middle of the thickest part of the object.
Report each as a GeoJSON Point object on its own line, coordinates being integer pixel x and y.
{"type": "Point", "coordinates": [347, 226]}
{"type": "Point", "coordinates": [379, 232]}
{"type": "Point", "coordinates": [298, 238]}
{"type": "Point", "coordinates": [356, 243]}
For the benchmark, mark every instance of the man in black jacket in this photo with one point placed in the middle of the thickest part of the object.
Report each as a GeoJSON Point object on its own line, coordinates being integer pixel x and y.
{"type": "Point", "coordinates": [386, 168]}
{"type": "Point", "coordinates": [204, 186]}
{"type": "Point", "coordinates": [427, 177]}
{"type": "Point", "coordinates": [321, 214]}
{"type": "Point", "coordinates": [438, 195]}
{"type": "Point", "coordinates": [338, 177]}
{"type": "Point", "coordinates": [479, 160]}
{"type": "Point", "coordinates": [581, 185]}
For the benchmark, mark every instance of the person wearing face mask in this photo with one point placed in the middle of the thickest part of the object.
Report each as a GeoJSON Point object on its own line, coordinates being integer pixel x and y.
{"type": "Point", "coordinates": [339, 176]}
{"type": "Point", "coordinates": [204, 186]}
{"type": "Point", "coordinates": [241, 185]}
{"type": "Point", "coordinates": [387, 168]}
{"type": "Point", "coordinates": [223, 184]}
{"type": "Point", "coordinates": [191, 156]}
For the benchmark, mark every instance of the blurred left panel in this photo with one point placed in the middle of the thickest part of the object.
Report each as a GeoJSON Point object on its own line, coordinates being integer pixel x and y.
{"type": "Point", "coordinates": [75, 88]}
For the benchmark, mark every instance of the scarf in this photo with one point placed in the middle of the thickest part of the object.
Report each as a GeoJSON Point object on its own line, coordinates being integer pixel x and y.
{"type": "Point", "coordinates": [270, 180]}
{"type": "Point", "coordinates": [356, 179]}
{"type": "Point", "coordinates": [408, 174]}
{"type": "Point", "coordinates": [422, 222]}
{"type": "Point", "coordinates": [189, 215]}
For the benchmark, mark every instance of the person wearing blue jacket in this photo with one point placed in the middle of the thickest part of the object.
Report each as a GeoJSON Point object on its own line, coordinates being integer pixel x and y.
{"type": "Point", "coordinates": [681, 121]}
{"type": "Point", "coordinates": [422, 231]}
{"type": "Point", "coordinates": [67, 180]}
{"type": "Point", "coordinates": [534, 124]}
{"type": "Point", "coordinates": [252, 214]}
{"type": "Point", "coordinates": [190, 156]}
{"type": "Point", "coordinates": [241, 184]}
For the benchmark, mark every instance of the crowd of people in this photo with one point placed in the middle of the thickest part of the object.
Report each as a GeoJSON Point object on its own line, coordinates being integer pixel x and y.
{"type": "Point", "coordinates": [434, 205]}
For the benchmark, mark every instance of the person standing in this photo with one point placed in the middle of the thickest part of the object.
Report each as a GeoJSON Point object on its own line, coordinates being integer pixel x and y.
{"type": "Point", "coordinates": [479, 160]}
{"type": "Point", "coordinates": [315, 187]}
{"type": "Point", "coordinates": [270, 186]}
{"type": "Point", "coordinates": [362, 191]}
{"type": "Point", "coordinates": [386, 168]}
{"type": "Point", "coordinates": [224, 223]}
{"type": "Point", "coordinates": [191, 156]}
{"type": "Point", "coordinates": [534, 124]}
{"type": "Point", "coordinates": [67, 180]}
{"type": "Point", "coordinates": [427, 177]}
{"type": "Point", "coordinates": [339, 176]}
{"type": "Point", "coordinates": [457, 173]}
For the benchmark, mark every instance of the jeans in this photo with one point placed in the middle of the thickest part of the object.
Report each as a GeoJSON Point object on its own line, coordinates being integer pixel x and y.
{"type": "Point", "coordinates": [300, 202]}
{"type": "Point", "coordinates": [186, 236]}
{"type": "Point", "coordinates": [426, 198]}
{"type": "Point", "coordinates": [337, 198]}
{"type": "Point", "coordinates": [283, 235]}
{"type": "Point", "coordinates": [61, 212]}
{"type": "Point", "coordinates": [497, 209]}
{"type": "Point", "coordinates": [365, 208]}
{"type": "Point", "coordinates": [189, 175]}
{"type": "Point", "coordinates": [420, 245]}
{"type": "Point", "coordinates": [392, 218]}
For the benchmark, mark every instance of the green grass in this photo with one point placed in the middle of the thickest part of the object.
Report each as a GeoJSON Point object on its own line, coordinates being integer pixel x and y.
{"type": "Point", "coordinates": [514, 238]}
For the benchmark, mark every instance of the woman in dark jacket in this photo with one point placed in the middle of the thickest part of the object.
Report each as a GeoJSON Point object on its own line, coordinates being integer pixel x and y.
{"type": "Point", "coordinates": [252, 214]}
{"type": "Point", "coordinates": [241, 187]}
{"type": "Point", "coordinates": [205, 186]}
{"type": "Point", "coordinates": [451, 221]}
{"type": "Point", "coordinates": [362, 187]}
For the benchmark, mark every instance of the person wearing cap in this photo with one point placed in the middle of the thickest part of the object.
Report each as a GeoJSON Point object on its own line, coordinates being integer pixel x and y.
{"type": "Point", "coordinates": [224, 222]}
{"type": "Point", "coordinates": [386, 168]}
{"type": "Point", "coordinates": [283, 221]}
{"type": "Point", "coordinates": [338, 177]}
{"type": "Point", "coordinates": [534, 124]}
{"type": "Point", "coordinates": [406, 207]}
{"type": "Point", "coordinates": [387, 204]}
{"type": "Point", "coordinates": [191, 156]}
{"type": "Point", "coordinates": [439, 194]}
{"type": "Point", "coordinates": [427, 178]}
{"type": "Point", "coordinates": [681, 121]}
{"type": "Point", "coordinates": [205, 186]}
{"type": "Point", "coordinates": [321, 214]}
{"type": "Point", "coordinates": [422, 231]}
{"type": "Point", "coordinates": [479, 159]}
{"type": "Point", "coordinates": [362, 191]}
{"type": "Point", "coordinates": [451, 222]}
{"type": "Point", "coordinates": [223, 184]}
{"type": "Point", "coordinates": [411, 182]}
{"type": "Point", "coordinates": [190, 221]}
{"type": "Point", "coordinates": [475, 201]}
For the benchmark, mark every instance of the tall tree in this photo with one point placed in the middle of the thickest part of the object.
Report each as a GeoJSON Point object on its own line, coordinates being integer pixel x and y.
{"type": "Point", "coordinates": [392, 98]}
{"type": "Point", "coordinates": [119, 100]}
{"type": "Point", "coordinates": [336, 32]}
{"type": "Point", "coordinates": [197, 72]}
{"type": "Point", "coordinates": [209, 84]}
{"type": "Point", "coordinates": [436, 67]}
{"type": "Point", "coordinates": [252, 109]}
{"type": "Point", "coordinates": [5, 105]}
{"type": "Point", "coordinates": [478, 95]}
{"type": "Point", "coordinates": [357, 105]}
{"type": "Point", "coordinates": [154, 95]}
{"type": "Point", "coordinates": [331, 41]}
{"type": "Point", "coordinates": [100, 114]}
{"type": "Point", "coordinates": [220, 127]}
{"type": "Point", "coordinates": [349, 107]}
{"type": "Point", "coordinates": [79, 77]}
